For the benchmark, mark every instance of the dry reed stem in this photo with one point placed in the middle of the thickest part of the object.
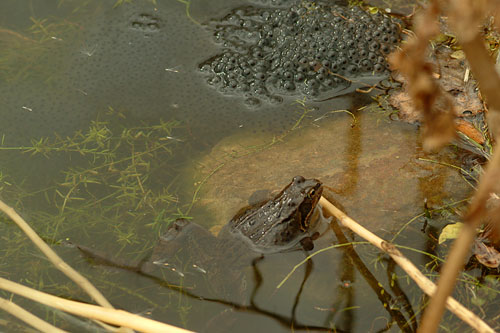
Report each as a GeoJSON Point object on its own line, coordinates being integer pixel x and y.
{"type": "Point", "coordinates": [111, 316]}
{"type": "Point", "coordinates": [461, 246]}
{"type": "Point", "coordinates": [465, 19]}
{"type": "Point", "coordinates": [79, 279]}
{"type": "Point", "coordinates": [28, 317]}
{"type": "Point", "coordinates": [420, 279]}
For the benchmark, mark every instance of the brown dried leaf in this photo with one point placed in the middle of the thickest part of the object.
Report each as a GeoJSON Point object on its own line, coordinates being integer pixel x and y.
{"type": "Point", "coordinates": [401, 100]}
{"type": "Point", "coordinates": [426, 94]}
{"type": "Point", "coordinates": [439, 125]}
{"type": "Point", "coordinates": [486, 255]}
{"type": "Point", "coordinates": [451, 75]}
{"type": "Point", "coordinates": [459, 54]}
{"type": "Point", "coordinates": [468, 129]}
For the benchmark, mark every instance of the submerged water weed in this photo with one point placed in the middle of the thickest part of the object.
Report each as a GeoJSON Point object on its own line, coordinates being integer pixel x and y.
{"type": "Point", "coordinates": [121, 2]}
{"type": "Point", "coordinates": [109, 178]}
{"type": "Point", "coordinates": [30, 53]}
{"type": "Point", "coordinates": [3, 181]}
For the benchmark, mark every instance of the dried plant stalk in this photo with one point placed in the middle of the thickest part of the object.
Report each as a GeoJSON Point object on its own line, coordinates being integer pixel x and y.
{"type": "Point", "coordinates": [54, 258]}
{"type": "Point", "coordinates": [461, 247]}
{"type": "Point", "coordinates": [28, 317]}
{"type": "Point", "coordinates": [422, 281]}
{"type": "Point", "coordinates": [465, 18]}
{"type": "Point", "coordinates": [111, 316]}
{"type": "Point", "coordinates": [426, 93]}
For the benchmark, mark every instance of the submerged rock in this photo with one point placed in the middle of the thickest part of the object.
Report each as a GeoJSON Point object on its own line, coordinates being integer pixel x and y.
{"type": "Point", "coordinates": [308, 48]}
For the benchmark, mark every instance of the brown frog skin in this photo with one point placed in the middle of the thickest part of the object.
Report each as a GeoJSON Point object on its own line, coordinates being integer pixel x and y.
{"type": "Point", "coordinates": [286, 222]}
{"type": "Point", "coordinates": [189, 257]}
{"type": "Point", "coordinates": [280, 223]}
{"type": "Point", "coordinates": [216, 265]}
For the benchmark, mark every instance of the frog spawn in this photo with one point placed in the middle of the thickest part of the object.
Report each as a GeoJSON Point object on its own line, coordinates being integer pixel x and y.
{"type": "Point", "coordinates": [306, 49]}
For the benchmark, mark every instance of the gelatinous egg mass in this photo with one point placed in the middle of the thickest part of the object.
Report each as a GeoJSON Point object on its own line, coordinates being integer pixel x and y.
{"type": "Point", "coordinates": [305, 49]}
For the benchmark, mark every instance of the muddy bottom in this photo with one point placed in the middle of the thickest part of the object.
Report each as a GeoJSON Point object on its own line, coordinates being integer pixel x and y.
{"type": "Point", "coordinates": [374, 167]}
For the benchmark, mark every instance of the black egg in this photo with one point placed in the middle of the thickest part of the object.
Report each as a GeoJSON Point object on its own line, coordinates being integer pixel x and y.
{"type": "Point", "coordinates": [378, 67]}
{"type": "Point", "coordinates": [313, 83]}
{"type": "Point", "coordinates": [366, 64]}
{"type": "Point", "coordinates": [289, 86]}
{"type": "Point", "coordinates": [299, 77]}
{"type": "Point", "coordinates": [352, 69]}
{"type": "Point", "coordinates": [260, 76]}
{"type": "Point", "coordinates": [329, 83]}
{"type": "Point", "coordinates": [296, 45]}
{"type": "Point", "coordinates": [385, 48]}
{"type": "Point", "coordinates": [374, 46]}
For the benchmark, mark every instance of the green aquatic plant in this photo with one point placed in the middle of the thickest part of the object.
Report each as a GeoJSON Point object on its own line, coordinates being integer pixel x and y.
{"type": "Point", "coordinates": [110, 188]}
{"type": "Point", "coordinates": [107, 173]}
{"type": "Point", "coordinates": [187, 3]}
{"type": "Point", "coordinates": [30, 53]}
{"type": "Point", "coordinates": [121, 2]}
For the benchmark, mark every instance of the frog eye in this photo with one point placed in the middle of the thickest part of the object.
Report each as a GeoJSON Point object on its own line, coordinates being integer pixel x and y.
{"type": "Point", "coordinates": [312, 192]}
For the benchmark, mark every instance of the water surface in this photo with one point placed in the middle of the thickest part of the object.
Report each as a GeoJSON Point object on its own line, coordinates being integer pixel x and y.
{"type": "Point", "coordinates": [135, 135]}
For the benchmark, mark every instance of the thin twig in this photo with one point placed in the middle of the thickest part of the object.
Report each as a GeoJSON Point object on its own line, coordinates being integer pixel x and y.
{"type": "Point", "coordinates": [111, 316]}
{"type": "Point", "coordinates": [465, 18]}
{"type": "Point", "coordinates": [28, 317]}
{"type": "Point", "coordinates": [461, 247]}
{"type": "Point", "coordinates": [420, 279]}
{"type": "Point", "coordinates": [79, 279]}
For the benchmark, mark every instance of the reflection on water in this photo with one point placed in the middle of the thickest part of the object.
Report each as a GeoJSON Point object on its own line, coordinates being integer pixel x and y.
{"type": "Point", "coordinates": [160, 134]}
{"type": "Point", "coordinates": [371, 167]}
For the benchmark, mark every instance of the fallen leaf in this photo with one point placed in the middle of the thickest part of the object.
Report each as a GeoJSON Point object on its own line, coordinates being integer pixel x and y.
{"type": "Point", "coordinates": [451, 231]}
{"type": "Point", "coordinates": [459, 54]}
{"type": "Point", "coordinates": [486, 255]}
{"type": "Point", "coordinates": [451, 76]}
{"type": "Point", "coordinates": [468, 129]}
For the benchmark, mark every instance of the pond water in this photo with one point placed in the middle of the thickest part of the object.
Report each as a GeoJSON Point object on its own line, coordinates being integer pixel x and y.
{"type": "Point", "coordinates": [110, 132]}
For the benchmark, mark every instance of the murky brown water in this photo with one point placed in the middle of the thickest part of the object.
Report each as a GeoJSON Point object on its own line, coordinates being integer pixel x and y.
{"type": "Point", "coordinates": [95, 62]}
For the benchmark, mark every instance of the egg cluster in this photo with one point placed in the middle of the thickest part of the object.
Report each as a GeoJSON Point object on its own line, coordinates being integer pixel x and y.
{"type": "Point", "coordinates": [308, 48]}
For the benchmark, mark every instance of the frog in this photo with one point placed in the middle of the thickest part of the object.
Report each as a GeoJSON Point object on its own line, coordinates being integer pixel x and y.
{"type": "Point", "coordinates": [192, 256]}
{"type": "Point", "coordinates": [282, 222]}
{"type": "Point", "coordinates": [289, 221]}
